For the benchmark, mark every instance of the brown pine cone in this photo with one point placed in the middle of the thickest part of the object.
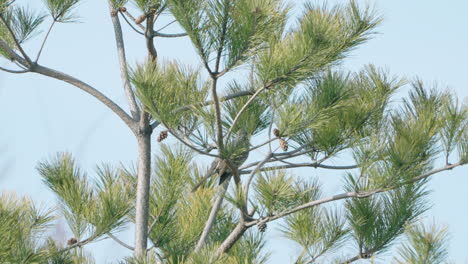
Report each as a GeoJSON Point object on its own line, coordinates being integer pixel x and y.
{"type": "Point", "coordinates": [140, 19]}
{"type": "Point", "coordinates": [123, 9]}
{"type": "Point", "coordinates": [162, 136]}
{"type": "Point", "coordinates": [72, 241]}
{"type": "Point", "coordinates": [262, 227]}
{"type": "Point", "coordinates": [276, 132]}
{"type": "Point", "coordinates": [283, 144]}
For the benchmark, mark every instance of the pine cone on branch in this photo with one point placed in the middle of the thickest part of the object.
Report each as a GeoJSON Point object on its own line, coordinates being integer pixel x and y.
{"type": "Point", "coordinates": [283, 144]}
{"type": "Point", "coordinates": [262, 227]}
{"type": "Point", "coordinates": [276, 132]}
{"type": "Point", "coordinates": [162, 136]}
{"type": "Point", "coordinates": [140, 19]}
{"type": "Point", "coordinates": [72, 241]}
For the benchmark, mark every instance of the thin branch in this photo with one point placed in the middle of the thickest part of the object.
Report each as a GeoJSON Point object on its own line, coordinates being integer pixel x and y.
{"type": "Point", "coordinates": [168, 24]}
{"type": "Point", "coordinates": [130, 24]}
{"type": "Point", "coordinates": [78, 244]}
{"type": "Point", "coordinates": [215, 79]}
{"type": "Point", "coordinates": [20, 65]}
{"type": "Point", "coordinates": [283, 156]}
{"type": "Point", "coordinates": [151, 227]}
{"type": "Point", "coordinates": [189, 144]}
{"type": "Point", "coordinates": [209, 102]}
{"type": "Point", "coordinates": [14, 71]}
{"type": "Point", "coordinates": [219, 126]}
{"type": "Point", "coordinates": [155, 124]}
{"type": "Point", "coordinates": [242, 110]}
{"type": "Point", "coordinates": [351, 260]}
{"type": "Point", "coordinates": [90, 90]}
{"type": "Point", "coordinates": [240, 229]}
{"type": "Point", "coordinates": [123, 244]}
{"type": "Point", "coordinates": [45, 40]}
{"type": "Point", "coordinates": [213, 214]}
{"type": "Point", "coordinates": [165, 35]}
{"type": "Point", "coordinates": [123, 65]}
{"type": "Point", "coordinates": [75, 82]}
{"type": "Point", "coordinates": [363, 255]}
{"type": "Point", "coordinates": [133, 19]}
{"type": "Point", "coordinates": [221, 99]}
{"type": "Point", "coordinates": [262, 144]}
{"type": "Point", "coordinates": [252, 174]}
{"type": "Point", "coordinates": [299, 165]}
{"type": "Point", "coordinates": [348, 195]}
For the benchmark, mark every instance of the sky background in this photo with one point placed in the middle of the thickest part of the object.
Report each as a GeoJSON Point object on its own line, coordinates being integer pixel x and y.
{"type": "Point", "coordinates": [41, 116]}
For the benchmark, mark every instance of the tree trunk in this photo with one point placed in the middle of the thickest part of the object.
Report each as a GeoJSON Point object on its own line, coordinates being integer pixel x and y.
{"type": "Point", "coordinates": [142, 195]}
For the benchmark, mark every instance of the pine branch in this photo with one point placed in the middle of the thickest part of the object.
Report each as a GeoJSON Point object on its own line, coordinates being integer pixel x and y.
{"type": "Point", "coordinates": [300, 165]}
{"type": "Point", "coordinates": [17, 44]}
{"type": "Point", "coordinates": [207, 103]}
{"type": "Point", "coordinates": [348, 195]}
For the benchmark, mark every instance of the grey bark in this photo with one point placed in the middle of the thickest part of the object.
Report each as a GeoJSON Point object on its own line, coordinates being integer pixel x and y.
{"type": "Point", "coordinates": [142, 192]}
{"type": "Point", "coordinates": [123, 65]}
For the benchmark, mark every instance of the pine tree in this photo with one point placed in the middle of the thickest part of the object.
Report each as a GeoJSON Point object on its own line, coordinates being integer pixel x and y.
{"type": "Point", "coordinates": [297, 106]}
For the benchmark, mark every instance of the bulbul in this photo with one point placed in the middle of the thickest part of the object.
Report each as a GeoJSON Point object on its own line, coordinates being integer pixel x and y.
{"type": "Point", "coordinates": [220, 168]}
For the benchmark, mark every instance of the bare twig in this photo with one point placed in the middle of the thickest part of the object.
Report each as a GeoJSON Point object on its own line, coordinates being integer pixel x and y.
{"type": "Point", "coordinates": [252, 174]}
{"type": "Point", "coordinates": [14, 71]}
{"type": "Point", "coordinates": [165, 35]}
{"type": "Point", "coordinates": [75, 82]}
{"type": "Point", "coordinates": [130, 24]}
{"type": "Point", "coordinates": [120, 242]}
{"type": "Point", "coordinates": [168, 24]}
{"type": "Point", "coordinates": [241, 111]}
{"type": "Point", "coordinates": [44, 41]}
{"type": "Point", "coordinates": [123, 66]}
{"type": "Point", "coordinates": [219, 126]}
{"type": "Point", "coordinates": [89, 89]}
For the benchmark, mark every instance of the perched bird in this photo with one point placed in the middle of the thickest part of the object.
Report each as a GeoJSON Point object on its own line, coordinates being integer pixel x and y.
{"type": "Point", "coordinates": [220, 167]}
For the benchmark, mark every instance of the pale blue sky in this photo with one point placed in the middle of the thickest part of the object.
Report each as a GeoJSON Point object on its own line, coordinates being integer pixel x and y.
{"type": "Point", "coordinates": [40, 117]}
